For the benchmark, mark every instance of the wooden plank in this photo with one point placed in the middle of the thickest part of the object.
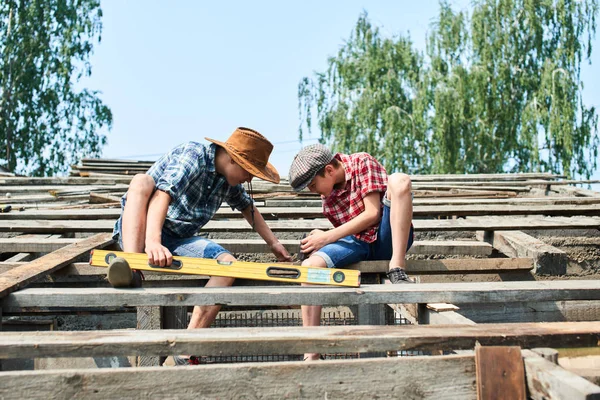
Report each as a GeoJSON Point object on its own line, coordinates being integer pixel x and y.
{"type": "Point", "coordinates": [545, 200]}
{"type": "Point", "coordinates": [99, 198]}
{"type": "Point", "coordinates": [500, 373]}
{"type": "Point", "coordinates": [548, 260]}
{"type": "Point", "coordinates": [420, 267]}
{"type": "Point", "coordinates": [317, 212]}
{"type": "Point", "coordinates": [454, 247]}
{"type": "Point", "coordinates": [445, 316]}
{"type": "Point", "coordinates": [484, 177]}
{"type": "Point", "coordinates": [21, 276]}
{"type": "Point", "coordinates": [417, 377]}
{"type": "Point", "coordinates": [455, 293]}
{"type": "Point", "coordinates": [547, 353]}
{"type": "Point", "coordinates": [491, 210]}
{"type": "Point", "coordinates": [548, 381]}
{"type": "Point", "coordinates": [471, 224]}
{"type": "Point", "coordinates": [291, 340]}
{"type": "Point", "coordinates": [46, 189]}
{"type": "Point", "coordinates": [423, 202]}
{"type": "Point", "coordinates": [532, 311]}
{"type": "Point", "coordinates": [65, 181]}
{"type": "Point", "coordinates": [148, 318]}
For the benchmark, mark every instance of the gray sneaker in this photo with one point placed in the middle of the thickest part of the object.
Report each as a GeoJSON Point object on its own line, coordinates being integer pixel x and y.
{"type": "Point", "coordinates": [181, 361]}
{"type": "Point", "coordinates": [119, 273]}
{"type": "Point", "coordinates": [398, 275]}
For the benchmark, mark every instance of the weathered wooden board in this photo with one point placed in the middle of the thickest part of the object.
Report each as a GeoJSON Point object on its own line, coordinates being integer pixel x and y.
{"type": "Point", "coordinates": [455, 293]}
{"type": "Point", "coordinates": [293, 340]}
{"type": "Point", "coordinates": [450, 247]}
{"type": "Point", "coordinates": [548, 381]}
{"type": "Point", "coordinates": [500, 373]}
{"type": "Point", "coordinates": [471, 224]}
{"type": "Point", "coordinates": [548, 260]}
{"type": "Point", "coordinates": [532, 311]}
{"type": "Point", "coordinates": [21, 276]}
{"type": "Point", "coordinates": [435, 378]}
{"type": "Point", "coordinates": [314, 212]}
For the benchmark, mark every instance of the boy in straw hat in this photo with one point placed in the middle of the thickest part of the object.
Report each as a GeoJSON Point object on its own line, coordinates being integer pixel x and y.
{"type": "Point", "coordinates": [370, 211]}
{"type": "Point", "coordinates": [165, 208]}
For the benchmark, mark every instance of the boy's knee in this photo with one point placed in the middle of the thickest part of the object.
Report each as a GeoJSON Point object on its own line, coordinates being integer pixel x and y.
{"type": "Point", "coordinates": [226, 257]}
{"type": "Point", "coordinates": [142, 184]}
{"type": "Point", "coordinates": [314, 261]}
{"type": "Point", "coordinates": [399, 183]}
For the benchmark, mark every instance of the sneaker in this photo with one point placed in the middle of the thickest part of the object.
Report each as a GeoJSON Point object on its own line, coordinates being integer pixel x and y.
{"type": "Point", "coordinates": [137, 279]}
{"type": "Point", "coordinates": [182, 361]}
{"type": "Point", "coordinates": [119, 273]}
{"type": "Point", "coordinates": [398, 275]}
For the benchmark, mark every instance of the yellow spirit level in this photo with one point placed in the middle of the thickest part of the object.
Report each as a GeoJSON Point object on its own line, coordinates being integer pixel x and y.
{"type": "Point", "coordinates": [235, 269]}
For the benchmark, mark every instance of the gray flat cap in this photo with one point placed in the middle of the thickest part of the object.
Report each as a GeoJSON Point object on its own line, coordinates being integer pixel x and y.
{"type": "Point", "coordinates": [310, 160]}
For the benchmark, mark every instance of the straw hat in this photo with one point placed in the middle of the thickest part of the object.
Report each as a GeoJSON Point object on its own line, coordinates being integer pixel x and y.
{"type": "Point", "coordinates": [251, 151]}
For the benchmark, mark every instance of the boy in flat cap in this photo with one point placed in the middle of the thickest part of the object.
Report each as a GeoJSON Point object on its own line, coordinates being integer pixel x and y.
{"type": "Point", "coordinates": [165, 208]}
{"type": "Point", "coordinates": [371, 213]}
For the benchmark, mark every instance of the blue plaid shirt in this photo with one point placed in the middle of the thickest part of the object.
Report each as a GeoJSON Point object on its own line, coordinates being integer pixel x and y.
{"type": "Point", "coordinates": [187, 173]}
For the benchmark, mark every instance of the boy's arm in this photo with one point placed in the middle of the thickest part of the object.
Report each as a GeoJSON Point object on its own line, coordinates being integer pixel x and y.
{"type": "Point", "coordinates": [265, 232]}
{"type": "Point", "coordinates": [368, 218]}
{"type": "Point", "coordinates": [157, 212]}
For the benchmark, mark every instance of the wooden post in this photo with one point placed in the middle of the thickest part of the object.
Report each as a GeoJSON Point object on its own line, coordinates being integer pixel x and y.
{"type": "Point", "coordinates": [548, 260]}
{"type": "Point", "coordinates": [149, 318]}
{"type": "Point", "coordinates": [500, 373]}
{"type": "Point", "coordinates": [372, 314]}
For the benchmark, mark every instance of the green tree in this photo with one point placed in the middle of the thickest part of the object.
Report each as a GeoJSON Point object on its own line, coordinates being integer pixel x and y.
{"type": "Point", "coordinates": [46, 122]}
{"type": "Point", "coordinates": [497, 89]}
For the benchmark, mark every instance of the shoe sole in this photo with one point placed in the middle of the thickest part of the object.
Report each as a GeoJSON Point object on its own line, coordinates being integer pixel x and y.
{"type": "Point", "coordinates": [119, 273]}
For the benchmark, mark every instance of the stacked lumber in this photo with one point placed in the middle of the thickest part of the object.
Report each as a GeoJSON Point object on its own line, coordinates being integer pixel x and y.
{"type": "Point", "coordinates": [54, 222]}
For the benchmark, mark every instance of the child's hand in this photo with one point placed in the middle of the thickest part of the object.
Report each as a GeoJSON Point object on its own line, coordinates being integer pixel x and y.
{"type": "Point", "coordinates": [158, 254]}
{"type": "Point", "coordinates": [314, 241]}
{"type": "Point", "coordinates": [280, 252]}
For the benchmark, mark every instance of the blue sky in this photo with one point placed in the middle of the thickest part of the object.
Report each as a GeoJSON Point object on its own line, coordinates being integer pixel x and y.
{"type": "Point", "coordinates": [182, 70]}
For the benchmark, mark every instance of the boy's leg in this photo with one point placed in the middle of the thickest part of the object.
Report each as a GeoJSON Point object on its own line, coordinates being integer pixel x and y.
{"type": "Point", "coordinates": [401, 211]}
{"type": "Point", "coordinates": [311, 315]}
{"type": "Point", "coordinates": [199, 247]}
{"type": "Point", "coordinates": [203, 316]}
{"type": "Point", "coordinates": [345, 251]}
{"type": "Point", "coordinates": [133, 230]}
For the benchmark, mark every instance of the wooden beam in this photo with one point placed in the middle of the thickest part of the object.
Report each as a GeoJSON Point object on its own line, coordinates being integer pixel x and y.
{"type": "Point", "coordinates": [471, 224]}
{"type": "Point", "coordinates": [419, 202]}
{"type": "Point", "coordinates": [432, 314]}
{"type": "Point", "coordinates": [455, 293]}
{"type": "Point", "coordinates": [315, 212]}
{"type": "Point", "coordinates": [291, 340]}
{"type": "Point", "coordinates": [99, 198]}
{"type": "Point", "coordinates": [548, 260]}
{"type": "Point", "coordinates": [450, 247]}
{"type": "Point", "coordinates": [532, 311]}
{"type": "Point", "coordinates": [21, 276]}
{"type": "Point", "coordinates": [548, 381]}
{"type": "Point", "coordinates": [418, 377]}
{"type": "Point", "coordinates": [500, 370]}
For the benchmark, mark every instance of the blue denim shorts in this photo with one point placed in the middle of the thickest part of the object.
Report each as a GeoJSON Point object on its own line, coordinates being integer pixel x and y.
{"type": "Point", "coordinates": [349, 250]}
{"type": "Point", "coordinates": [194, 246]}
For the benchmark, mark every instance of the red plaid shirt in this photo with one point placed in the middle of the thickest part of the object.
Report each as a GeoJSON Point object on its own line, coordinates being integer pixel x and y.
{"type": "Point", "coordinates": [364, 175]}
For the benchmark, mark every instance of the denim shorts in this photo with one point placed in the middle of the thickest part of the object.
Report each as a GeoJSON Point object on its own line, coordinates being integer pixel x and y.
{"type": "Point", "coordinates": [194, 246]}
{"type": "Point", "coordinates": [349, 250]}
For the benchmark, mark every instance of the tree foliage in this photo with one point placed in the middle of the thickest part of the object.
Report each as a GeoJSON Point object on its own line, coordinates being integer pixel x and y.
{"type": "Point", "coordinates": [497, 89]}
{"type": "Point", "coordinates": [46, 122]}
